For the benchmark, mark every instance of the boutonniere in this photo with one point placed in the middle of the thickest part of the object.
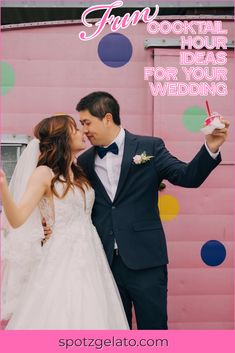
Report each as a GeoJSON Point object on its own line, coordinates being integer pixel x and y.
{"type": "Point", "coordinates": [141, 158]}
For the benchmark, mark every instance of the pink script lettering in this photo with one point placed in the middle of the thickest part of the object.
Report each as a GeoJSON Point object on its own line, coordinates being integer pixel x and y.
{"type": "Point", "coordinates": [115, 22]}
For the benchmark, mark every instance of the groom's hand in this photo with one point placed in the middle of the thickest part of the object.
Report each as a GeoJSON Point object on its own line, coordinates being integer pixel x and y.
{"type": "Point", "coordinates": [47, 231]}
{"type": "Point", "coordinates": [218, 137]}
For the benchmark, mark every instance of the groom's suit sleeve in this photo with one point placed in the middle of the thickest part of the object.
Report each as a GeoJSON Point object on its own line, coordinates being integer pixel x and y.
{"type": "Point", "coordinates": [191, 174]}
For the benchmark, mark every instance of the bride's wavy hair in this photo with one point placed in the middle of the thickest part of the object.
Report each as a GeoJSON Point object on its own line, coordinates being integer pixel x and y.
{"type": "Point", "coordinates": [54, 134]}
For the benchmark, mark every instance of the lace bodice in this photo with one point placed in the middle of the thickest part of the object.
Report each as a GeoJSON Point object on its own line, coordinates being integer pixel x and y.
{"type": "Point", "coordinates": [74, 209]}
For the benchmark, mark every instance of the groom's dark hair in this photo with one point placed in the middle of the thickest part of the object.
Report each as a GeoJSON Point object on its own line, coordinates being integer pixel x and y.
{"type": "Point", "coordinates": [99, 104]}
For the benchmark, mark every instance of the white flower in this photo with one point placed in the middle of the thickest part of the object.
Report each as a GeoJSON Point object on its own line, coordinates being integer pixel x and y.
{"type": "Point", "coordinates": [137, 159]}
{"type": "Point", "coordinates": [141, 158]}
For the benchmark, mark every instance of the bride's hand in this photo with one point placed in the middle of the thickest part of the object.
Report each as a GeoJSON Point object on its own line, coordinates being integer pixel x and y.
{"type": "Point", "coordinates": [46, 230]}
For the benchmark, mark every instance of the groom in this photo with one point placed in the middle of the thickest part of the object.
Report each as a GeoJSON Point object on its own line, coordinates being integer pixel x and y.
{"type": "Point", "coordinates": [126, 211]}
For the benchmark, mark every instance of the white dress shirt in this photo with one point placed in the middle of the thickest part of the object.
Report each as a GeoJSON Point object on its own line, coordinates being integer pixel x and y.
{"type": "Point", "coordinates": [212, 154]}
{"type": "Point", "coordinates": [108, 168]}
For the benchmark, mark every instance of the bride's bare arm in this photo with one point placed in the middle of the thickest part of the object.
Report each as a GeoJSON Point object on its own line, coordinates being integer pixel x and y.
{"type": "Point", "coordinates": [39, 184]}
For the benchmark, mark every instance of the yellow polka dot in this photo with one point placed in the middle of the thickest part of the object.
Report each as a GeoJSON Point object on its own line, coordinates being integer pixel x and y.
{"type": "Point", "coordinates": [168, 207]}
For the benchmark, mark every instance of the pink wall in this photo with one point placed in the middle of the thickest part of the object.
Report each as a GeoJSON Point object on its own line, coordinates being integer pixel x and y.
{"type": "Point", "coordinates": [54, 69]}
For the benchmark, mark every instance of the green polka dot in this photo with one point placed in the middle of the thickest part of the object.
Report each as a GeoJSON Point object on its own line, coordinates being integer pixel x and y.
{"type": "Point", "coordinates": [7, 78]}
{"type": "Point", "coordinates": [193, 118]}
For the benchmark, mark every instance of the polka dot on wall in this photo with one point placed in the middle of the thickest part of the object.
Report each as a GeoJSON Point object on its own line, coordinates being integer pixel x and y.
{"type": "Point", "coordinates": [7, 78]}
{"type": "Point", "coordinates": [168, 207]}
{"type": "Point", "coordinates": [115, 50]}
{"type": "Point", "coordinates": [213, 253]}
{"type": "Point", "coordinates": [193, 118]}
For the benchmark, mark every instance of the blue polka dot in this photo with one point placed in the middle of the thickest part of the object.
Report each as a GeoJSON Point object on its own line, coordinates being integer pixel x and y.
{"type": "Point", "coordinates": [213, 253]}
{"type": "Point", "coordinates": [115, 50]}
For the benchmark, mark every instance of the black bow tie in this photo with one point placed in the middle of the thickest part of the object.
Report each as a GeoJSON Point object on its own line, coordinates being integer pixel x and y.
{"type": "Point", "coordinates": [102, 151]}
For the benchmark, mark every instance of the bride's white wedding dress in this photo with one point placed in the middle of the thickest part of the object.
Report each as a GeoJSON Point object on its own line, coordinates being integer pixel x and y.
{"type": "Point", "coordinates": [72, 286]}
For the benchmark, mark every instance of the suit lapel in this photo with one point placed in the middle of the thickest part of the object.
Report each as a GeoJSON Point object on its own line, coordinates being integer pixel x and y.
{"type": "Point", "coordinates": [96, 182]}
{"type": "Point", "coordinates": [128, 154]}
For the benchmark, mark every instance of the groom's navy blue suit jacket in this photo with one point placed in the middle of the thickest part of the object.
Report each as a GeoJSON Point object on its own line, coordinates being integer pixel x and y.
{"type": "Point", "coordinates": [133, 217]}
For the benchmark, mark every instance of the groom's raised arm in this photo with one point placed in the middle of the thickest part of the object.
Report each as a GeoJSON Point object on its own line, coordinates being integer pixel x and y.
{"type": "Point", "coordinates": [194, 173]}
{"type": "Point", "coordinates": [191, 174]}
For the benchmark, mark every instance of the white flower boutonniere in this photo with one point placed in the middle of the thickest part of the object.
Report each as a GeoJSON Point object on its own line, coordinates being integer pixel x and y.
{"type": "Point", "coordinates": [141, 158]}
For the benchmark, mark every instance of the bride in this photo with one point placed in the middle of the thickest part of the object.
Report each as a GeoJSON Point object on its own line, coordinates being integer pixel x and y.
{"type": "Point", "coordinates": [64, 282]}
